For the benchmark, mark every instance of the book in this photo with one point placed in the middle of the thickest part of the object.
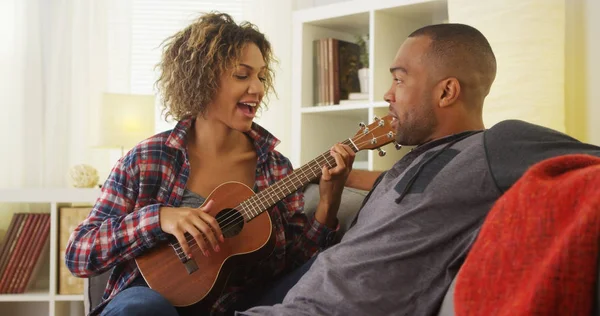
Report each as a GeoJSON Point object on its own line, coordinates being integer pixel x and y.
{"type": "Point", "coordinates": [16, 254]}
{"type": "Point", "coordinates": [9, 241]}
{"type": "Point", "coordinates": [28, 237]}
{"type": "Point", "coordinates": [358, 96]}
{"type": "Point", "coordinates": [353, 102]}
{"type": "Point", "coordinates": [38, 255]}
{"type": "Point", "coordinates": [335, 70]}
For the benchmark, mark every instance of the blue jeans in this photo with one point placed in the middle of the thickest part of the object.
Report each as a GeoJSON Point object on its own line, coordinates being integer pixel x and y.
{"type": "Point", "coordinates": [139, 299]}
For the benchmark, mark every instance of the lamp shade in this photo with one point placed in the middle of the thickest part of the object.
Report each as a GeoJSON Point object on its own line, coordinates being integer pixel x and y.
{"type": "Point", "coordinates": [124, 120]}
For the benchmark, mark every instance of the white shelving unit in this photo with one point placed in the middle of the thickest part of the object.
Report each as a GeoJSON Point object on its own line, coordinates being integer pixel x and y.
{"type": "Point", "coordinates": [388, 23]}
{"type": "Point", "coordinates": [43, 299]}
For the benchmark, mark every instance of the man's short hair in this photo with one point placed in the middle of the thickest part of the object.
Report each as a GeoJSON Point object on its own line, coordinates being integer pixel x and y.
{"type": "Point", "coordinates": [461, 51]}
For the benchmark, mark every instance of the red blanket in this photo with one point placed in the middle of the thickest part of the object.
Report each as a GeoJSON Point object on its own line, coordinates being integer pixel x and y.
{"type": "Point", "coordinates": [537, 251]}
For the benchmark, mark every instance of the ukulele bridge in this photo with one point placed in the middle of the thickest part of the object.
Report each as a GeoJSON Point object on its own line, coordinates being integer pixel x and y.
{"type": "Point", "coordinates": [190, 266]}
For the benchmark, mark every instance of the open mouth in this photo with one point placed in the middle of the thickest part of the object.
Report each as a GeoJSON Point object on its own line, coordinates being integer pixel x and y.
{"type": "Point", "coordinates": [248, 108]}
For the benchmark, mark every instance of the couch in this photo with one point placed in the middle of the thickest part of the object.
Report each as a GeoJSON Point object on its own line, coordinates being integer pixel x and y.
{"type": "Point", "coordinates": [351, 201]}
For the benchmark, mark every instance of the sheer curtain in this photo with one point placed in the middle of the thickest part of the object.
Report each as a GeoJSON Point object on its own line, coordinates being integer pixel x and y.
{"type": "Point", "coordinates": [152, 21]}
{"type": "Point", "coordinates": [58, 56]}
{"type": "Point", "coordinates": [12, 98]}
{"type": "Point", "coordinates": [53, 57]}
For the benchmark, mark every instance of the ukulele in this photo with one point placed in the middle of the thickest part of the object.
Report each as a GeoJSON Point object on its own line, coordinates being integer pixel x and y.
{"type": "Point", "coordinates": [245, 225]}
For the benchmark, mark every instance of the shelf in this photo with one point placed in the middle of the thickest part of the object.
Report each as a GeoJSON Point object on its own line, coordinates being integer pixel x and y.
{"type": "Point", "coordinates": [325, 14]}
{"type": "Point", "coordinates": [360, 165]}
{"type": "Point", "coordinates": [47, 195]}
{"type": "Point", "coordinates": [356, 23]}
{"type": "Point", "coordinates": [67, 298]}
{"type": "Point", "coordinates": [27, 297]}
{"type": "Point", "coordinates": [335, 108]}
{"type": "Point", "coordinates": [419, 10]}
{"type": "Point", "coordinates": [41, 298]}
{"type": "Point", "coordinates": [351, 12]}
{"type": "Point", "coordinates": [381, 104]}
{"type": "Point", "coordinates": [355, 113]}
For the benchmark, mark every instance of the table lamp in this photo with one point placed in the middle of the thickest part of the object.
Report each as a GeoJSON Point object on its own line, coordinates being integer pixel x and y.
{"type": "Point", "coordinates": [125, 120]}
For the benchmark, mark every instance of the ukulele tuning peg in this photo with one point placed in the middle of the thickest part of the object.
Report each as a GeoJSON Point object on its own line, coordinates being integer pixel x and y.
{"type": "Point", "coordinates": [362, 124]}
{"type": "Point", "coordinates": [398, 146]}
{"type": "Point", "coordinates": [381, 152]}
{"type": "Point", "coordinates": [376, 118]}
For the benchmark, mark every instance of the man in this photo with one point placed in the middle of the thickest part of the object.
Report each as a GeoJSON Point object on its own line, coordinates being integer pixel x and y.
{"type": "Point", "coordinates": [422, 216]}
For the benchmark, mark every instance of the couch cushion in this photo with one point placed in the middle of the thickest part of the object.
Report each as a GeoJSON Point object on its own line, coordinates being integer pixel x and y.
{"type": "Point", "coordinates": [351, 201]}
{"type": "Point", "coordinates": [94, 289]}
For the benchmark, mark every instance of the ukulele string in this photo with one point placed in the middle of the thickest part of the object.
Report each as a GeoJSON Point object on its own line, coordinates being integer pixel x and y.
{"type": "Point", "coordinates": [234, 219]}
{"type": "Point", "coordinates": [357, 142]}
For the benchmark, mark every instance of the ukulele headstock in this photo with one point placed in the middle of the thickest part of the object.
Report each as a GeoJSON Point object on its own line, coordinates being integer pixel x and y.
{"type": "Point", "coordinates": [375, 135]}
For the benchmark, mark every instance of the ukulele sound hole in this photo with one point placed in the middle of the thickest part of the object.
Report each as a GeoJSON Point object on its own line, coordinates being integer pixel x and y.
{"type": "Point", "coordinates": [230, 221]}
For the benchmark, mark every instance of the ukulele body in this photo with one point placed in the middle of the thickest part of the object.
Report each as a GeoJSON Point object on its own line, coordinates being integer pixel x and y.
{"type": "Point", "coordinates": [183, 281]}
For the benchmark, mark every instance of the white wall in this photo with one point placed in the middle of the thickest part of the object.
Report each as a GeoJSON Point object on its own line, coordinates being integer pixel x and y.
{"type": "Point", "coordinates": [303, 4]}
{"type": "Point", "coordinates": [528, 39]}
{"type": "Point", "coordinates": [274, 18]}
{"type": "Point", "coordinates": [592, 35]}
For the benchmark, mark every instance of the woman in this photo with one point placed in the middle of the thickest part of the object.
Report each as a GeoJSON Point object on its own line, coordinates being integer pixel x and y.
{"type": "Point", "coordinates": [214, 74]}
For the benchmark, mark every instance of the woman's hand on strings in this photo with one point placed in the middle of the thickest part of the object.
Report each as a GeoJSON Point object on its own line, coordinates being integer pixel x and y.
{"type": "Point", "coordinates": [195, 221]}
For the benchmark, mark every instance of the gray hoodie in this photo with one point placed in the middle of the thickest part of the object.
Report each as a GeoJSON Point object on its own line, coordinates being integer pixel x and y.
{"type": "Point", "coordinates": [418, 224]}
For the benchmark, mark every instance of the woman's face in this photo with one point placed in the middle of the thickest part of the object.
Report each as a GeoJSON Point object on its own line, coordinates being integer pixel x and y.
{"type": "Point", "coordinates": [241, 90]}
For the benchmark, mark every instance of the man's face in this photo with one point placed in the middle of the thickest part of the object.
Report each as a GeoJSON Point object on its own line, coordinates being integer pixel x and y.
{"type": "Point", "coordinates": [411, 96]}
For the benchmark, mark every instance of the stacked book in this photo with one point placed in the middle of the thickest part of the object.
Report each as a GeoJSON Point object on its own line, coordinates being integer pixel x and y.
{"type": "Point", "coordinates": [335, 70]}
{"type": "Point", "coordinates": [26, 240]}
{"type": "Point", "coordinates": [356, 98]}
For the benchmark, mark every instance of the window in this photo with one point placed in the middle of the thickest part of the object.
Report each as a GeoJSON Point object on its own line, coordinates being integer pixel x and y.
{"type": "Point", "coordinates": [152, 21]}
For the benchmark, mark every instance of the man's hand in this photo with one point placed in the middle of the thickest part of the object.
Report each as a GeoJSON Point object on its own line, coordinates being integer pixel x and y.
{"type": "Point", "coordinates": [332, 184]}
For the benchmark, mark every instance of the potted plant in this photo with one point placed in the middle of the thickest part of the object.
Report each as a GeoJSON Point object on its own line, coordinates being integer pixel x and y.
{"type": "Point", "coordinates": [363, 69]}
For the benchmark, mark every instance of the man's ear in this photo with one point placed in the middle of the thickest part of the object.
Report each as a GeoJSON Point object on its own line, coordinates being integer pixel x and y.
{"type": "Point", "coordinates": [449, 91]}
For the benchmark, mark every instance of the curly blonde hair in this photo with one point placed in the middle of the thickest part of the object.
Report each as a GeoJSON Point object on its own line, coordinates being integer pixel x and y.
{"type": "Point", "coordinates": [194, 58]}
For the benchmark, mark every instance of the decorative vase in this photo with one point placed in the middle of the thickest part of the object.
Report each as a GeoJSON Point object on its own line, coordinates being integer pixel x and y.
{"type": "Point", "coordinates": [82, 176]}
{"type": "Point", "coordinates": [363, 79]}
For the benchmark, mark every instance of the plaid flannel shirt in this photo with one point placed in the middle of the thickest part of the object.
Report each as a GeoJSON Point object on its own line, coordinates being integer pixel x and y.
{"type": "Point", "coordinates": [124, 221]}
